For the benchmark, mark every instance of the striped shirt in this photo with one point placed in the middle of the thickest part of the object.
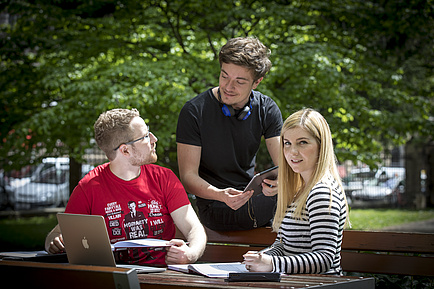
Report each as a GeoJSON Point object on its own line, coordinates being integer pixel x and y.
{"type": "Point", "coordinates": [312, 245]}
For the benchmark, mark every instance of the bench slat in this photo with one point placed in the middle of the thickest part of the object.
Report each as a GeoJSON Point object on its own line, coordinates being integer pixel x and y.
{"type": "Point", "coordinates": [388, 242]}
{"type": "Point", "coordinates": [226, 253]}
{"type": "Point", "coordinates": [387, 264]}
{"type": "Point", "coordinates": [389, 252]}
{"type": "Point", "coordinates": [260, 236]}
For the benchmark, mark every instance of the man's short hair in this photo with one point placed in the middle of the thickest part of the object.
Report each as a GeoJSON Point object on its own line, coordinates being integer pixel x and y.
{"type": "Point", "coordinates": [248, 52]}
{"type": "Point", "coordinates": [113, 128]}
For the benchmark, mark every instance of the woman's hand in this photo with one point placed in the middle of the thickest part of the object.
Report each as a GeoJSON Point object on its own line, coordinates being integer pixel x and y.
{"type": "Point", "coordinates": [258, 262]}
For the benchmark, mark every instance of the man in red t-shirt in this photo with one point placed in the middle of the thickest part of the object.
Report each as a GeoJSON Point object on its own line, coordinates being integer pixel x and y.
{"type": "Point", "coordinates": [137, 198]}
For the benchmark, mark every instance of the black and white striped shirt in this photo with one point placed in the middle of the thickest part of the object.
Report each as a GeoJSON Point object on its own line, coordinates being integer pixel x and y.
{"type": "Point", "coordinates": [312, 245]}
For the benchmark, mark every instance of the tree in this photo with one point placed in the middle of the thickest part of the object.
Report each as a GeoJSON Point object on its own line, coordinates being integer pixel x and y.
{"type": "Point", "coordinates": [363, 64]}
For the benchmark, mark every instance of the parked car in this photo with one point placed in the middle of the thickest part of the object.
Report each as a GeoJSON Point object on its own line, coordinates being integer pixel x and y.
{"type": "Point", "coordinates": [372, 190]}
{"type": "Point", "coordinates": [365, 187]}
{"type": "Point", "coordinates": [353, 182]}
{"type": "Point", "coordinates": [386, 173]}
{"type": "Point", "coordinates": [378, 191]}
{"type": "Point", "coordinates": [48, 186]}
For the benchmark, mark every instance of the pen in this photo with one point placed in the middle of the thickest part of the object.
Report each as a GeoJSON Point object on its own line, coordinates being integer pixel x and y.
{"type": "Point", "coordinates": [265, 250]}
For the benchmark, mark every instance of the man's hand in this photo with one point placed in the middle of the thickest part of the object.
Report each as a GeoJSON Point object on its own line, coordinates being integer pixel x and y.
{"type": "Point", "coordinates": [54, 241]}
{"type": "Point", "coordinates": [178, 253]}
{"type": "Point", "coordinates": [236, 199]}
{"type": "Point", "coordinates": [269, 187]}
{"type": "Point", "coordinates": [56, 246]}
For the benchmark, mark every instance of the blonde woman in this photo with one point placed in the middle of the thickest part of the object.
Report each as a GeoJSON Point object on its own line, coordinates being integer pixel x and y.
{"type": "Point", "coordinates": [311, 205]}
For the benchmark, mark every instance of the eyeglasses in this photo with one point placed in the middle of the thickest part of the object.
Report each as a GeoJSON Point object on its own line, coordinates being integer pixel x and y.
{"type": "Point", "coordinates": [146, 138]}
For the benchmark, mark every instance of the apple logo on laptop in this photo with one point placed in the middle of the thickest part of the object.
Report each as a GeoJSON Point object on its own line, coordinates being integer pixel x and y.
{"type": "Point", "coordinates": [85, 243]}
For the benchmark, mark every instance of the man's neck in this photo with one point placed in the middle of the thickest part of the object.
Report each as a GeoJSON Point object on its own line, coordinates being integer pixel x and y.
{"type": "Point", "coordinates": [216, 93]}
{"type": "Point", "coordinates": [125, 172]}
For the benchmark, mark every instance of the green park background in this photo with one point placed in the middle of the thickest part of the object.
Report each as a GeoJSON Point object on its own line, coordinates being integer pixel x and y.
{"type": "Point", "coordinates": [367, 66]}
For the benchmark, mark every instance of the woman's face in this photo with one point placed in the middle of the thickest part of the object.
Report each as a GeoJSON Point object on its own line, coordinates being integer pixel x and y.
{"type": "Point", "coordinates": [301, 151]}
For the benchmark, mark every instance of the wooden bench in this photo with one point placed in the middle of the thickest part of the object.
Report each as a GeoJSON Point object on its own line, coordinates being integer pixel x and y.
{"type": "Point", "coordinates": [24, 274]}
{"type": "Point", "coordinates": [362, 251]}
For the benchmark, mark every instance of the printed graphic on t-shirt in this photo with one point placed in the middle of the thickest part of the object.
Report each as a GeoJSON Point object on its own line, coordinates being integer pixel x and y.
{"type": "Point", "coordinates": [113, 212]}
{"type": "Point", "coordinates": [154, 209]}
{"type": "Point", "coordinates": [135, 223]}
{"type": "Point", "coordinates": [157, 223]}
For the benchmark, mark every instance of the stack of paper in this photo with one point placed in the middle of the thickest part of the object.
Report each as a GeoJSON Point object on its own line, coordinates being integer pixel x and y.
{"type": "Point", "coordinates": [215, 270]}
{"type": "Point", "coordinates": [149, 242]}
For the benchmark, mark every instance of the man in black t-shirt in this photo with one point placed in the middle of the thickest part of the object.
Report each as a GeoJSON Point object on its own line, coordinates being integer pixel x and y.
{"type": "Point", "coordinates": [218, 135]}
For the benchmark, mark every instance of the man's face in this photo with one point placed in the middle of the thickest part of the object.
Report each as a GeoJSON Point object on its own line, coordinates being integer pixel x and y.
{"type": "Point", "coordinates": [144, 151]}
{"type": "Point", "coordinates": [132, 206]}
{"type": "Point", "coordinates": [236, 84]}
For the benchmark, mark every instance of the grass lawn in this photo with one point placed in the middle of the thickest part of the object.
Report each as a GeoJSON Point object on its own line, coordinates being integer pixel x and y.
{"type": "Point", "coordinates": [29, 233]}
{"type": "Point", "coordinates": [374, 219]}
{"type": "Point", "coordinates": [25, 233]}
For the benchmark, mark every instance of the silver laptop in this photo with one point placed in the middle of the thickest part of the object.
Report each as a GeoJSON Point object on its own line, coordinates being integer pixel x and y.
{"type": "Point", "coordinates": [87, 242]}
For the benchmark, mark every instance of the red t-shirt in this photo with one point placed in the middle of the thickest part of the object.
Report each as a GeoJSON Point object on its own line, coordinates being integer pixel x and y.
{"type": "Point", "coordinates": [134, 209]}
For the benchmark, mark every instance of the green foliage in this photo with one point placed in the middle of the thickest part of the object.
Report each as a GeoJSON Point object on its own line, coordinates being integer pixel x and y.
{"type": "Point", "coordinates": [362, 64]}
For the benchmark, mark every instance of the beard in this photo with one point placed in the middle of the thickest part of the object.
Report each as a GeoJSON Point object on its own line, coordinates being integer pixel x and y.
{"type": "Point", "coordinates": [141, 158]}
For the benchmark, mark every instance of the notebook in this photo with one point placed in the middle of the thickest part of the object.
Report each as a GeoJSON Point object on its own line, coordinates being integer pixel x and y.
{"type": "Point", "coordinates": [87, 242]}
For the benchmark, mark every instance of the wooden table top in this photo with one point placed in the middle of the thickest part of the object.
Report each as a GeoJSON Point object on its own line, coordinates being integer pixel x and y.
{"type": "Point", "coordinates": [51, 275]}
{"type": "Point", "coordinates": [172, 280]}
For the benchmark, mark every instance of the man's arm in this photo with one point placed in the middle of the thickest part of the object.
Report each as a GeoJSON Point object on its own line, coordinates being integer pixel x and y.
{"type": "Point", "coordinates": [188, 223]}
{"type": "Point", "coordinates": [54, 241]}
{"type": "Point", "coordinates": [188, 162]}
{"type": "Point", "coordinates": [273, 147]}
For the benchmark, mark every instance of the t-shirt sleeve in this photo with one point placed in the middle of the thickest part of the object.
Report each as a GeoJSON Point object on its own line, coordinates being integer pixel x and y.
{"type": "Point", "coordinates": [187, 130]}
{"type": "Point", "coordinates": [176, 196]}
{"type": "Point", "coordinates": [273, 120]}
{"type": "Point", "coordinates": [78, 203]}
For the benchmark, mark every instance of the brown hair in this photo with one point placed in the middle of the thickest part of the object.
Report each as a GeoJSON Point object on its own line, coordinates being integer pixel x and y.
{"type": "Point", "coordinates": [248, 52]}
{"type": "Point", "coordinates": [112, 128]}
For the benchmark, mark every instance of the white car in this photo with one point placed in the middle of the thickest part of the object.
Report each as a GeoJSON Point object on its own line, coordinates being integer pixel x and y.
{"type": "Point", "coordinates": [48, 186]}
{"type": "Point", "coordinates": [378, 192]}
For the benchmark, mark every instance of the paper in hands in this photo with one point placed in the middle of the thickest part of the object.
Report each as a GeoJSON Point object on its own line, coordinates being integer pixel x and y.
{"type": "Point", "coordinates": [141, 243]}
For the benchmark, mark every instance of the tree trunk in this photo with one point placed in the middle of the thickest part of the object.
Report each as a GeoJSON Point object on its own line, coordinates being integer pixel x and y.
{"type": "Point", "coordinates": [74, 174]}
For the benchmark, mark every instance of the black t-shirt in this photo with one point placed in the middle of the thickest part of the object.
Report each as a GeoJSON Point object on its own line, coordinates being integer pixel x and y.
{"type": "Point", "coordinates": [229, 146]}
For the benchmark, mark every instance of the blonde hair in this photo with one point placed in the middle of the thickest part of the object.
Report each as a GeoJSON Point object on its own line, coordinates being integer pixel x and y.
{"type": "Point", "coordinates": [292, 190]}
{"type": "Point", "coordinates": [113, 128]}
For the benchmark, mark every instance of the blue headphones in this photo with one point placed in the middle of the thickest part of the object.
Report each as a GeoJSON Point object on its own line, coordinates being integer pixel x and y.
{"type": "Point", "coordinates": [230, 111]}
